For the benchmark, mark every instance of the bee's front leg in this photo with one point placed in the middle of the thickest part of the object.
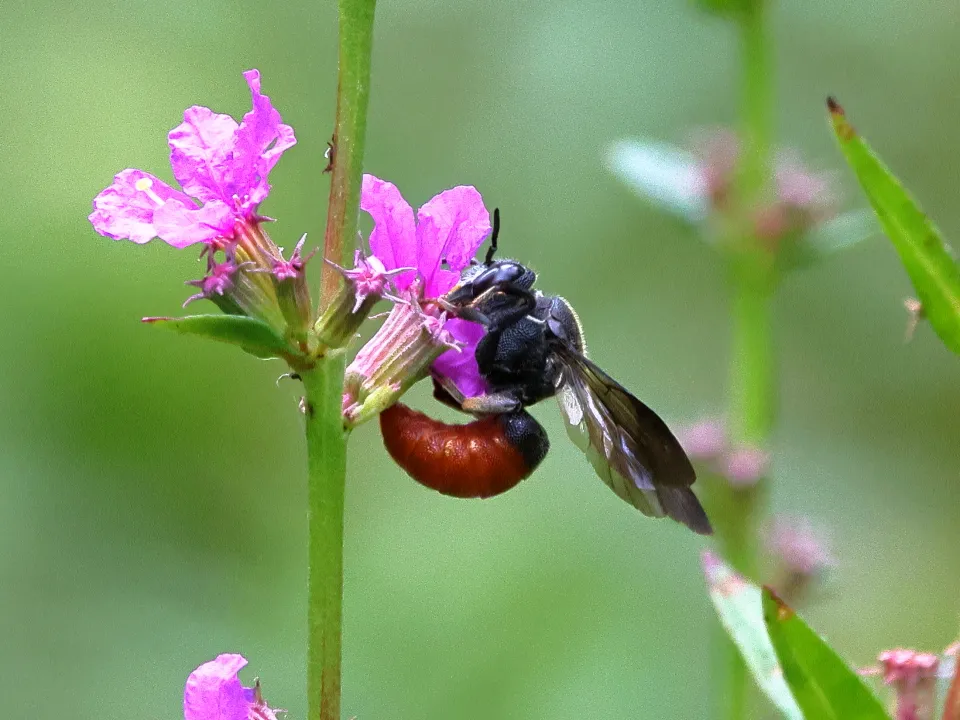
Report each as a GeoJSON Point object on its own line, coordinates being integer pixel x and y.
{"type": "Point", "coordinates": [446, 391]}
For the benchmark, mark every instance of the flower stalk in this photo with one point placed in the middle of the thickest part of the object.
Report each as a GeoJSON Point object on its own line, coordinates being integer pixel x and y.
{"type": "Point", "coordinates": [353, 93]}
{"type": "Point", "coordinates": [323, 384]}
{"type": "Point", "coordinates": [753, 278]}
{"type": "Point", "coordinates": [327, 467]}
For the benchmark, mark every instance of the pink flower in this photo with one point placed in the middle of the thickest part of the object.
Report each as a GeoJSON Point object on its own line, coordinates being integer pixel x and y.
{"type": "Point", "coordinates": [913, 676]}
{"type": "Point", "coordinates": [439, 243]}
{"type": "Point", "coordinates": [214, 692]}
{"type": "Point", "coordinates": [219, 164]}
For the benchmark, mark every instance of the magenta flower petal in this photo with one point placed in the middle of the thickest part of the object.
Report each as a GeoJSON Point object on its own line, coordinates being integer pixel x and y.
{"type": "Point", "coordinates": [450, 227]}
{"type": "Point", "coordinates": [126, 209]}
{"type": "Point", "coordinates": [394, 237]}
{"type": "Point", "coordinates": [214, 692]}
{"type": "Point", "coordinates": [180, 226]}
{"type": "Point", "coordinates": [461, 367]}
{"type": "Point", "coordinates": [202, 153]}
{"type": "Point", "coordinates": [261, 139]}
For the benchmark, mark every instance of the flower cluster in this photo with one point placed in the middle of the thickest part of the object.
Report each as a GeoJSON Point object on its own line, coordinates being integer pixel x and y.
{"type": "Point", "coordinates": [223, 168]}
{"type": "Point", "coordinates": [706, 441]}
{"type": "Point", "coordinates": [913, 677]}
{"type": "Point", "coordinates": [213, 692]}
{"type": "Point", "coordinates": [802, 199]}
{"type": "Point", "coordinates": [801, 553]}
{"type": "Point", "coordinates": [427, 253]}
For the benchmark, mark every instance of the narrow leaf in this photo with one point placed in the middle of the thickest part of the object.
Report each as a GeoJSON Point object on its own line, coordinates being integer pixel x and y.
{"type": "Point", "coordinates": [664, 174]}
{"type": "Point", "coordinates": [951, 703]}
{"type": "Point", "coordinates": [739, 606]}
{"type": "Point", "coordinates": [925, 256]}
{"type": "Point", "coordinates": [821, 681]}
{"type": "Point", "coordinates": [254, 336]}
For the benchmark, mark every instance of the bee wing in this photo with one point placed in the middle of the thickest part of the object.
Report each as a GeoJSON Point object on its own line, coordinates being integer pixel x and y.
{"type": "Point", "coordinates": [630, 447]}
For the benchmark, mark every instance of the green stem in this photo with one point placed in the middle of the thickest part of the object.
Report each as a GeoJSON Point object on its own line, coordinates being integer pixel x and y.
{"type": "Point", "coordinates": [323, 384]}
{"type": "Point", "coordinates": [752, 368]}
{"type": "Point", "coordinates": [327, 465]}
{"type": "Point", "coordinates": [353, 94]}
{"type": "Point", "coordinates": [757, 100]}
{"type": "Point", "coordinates": [752, 407]}
{"type": "Point", "coordinates": [752, 390]}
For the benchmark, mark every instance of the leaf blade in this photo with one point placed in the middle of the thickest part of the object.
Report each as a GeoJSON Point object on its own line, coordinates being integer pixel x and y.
{"type": "Point", "coordinates": [739, 606]}
{"type": "Point", "coordinates": [822, 683]}
{"type": "Point", "coordinates": [926, 258]}
{"type": "Point", "coordinates": [254, 336]}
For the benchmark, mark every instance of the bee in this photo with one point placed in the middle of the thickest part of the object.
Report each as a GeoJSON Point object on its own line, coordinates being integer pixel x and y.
{"type": "Point", "coordinates": [533, 349]}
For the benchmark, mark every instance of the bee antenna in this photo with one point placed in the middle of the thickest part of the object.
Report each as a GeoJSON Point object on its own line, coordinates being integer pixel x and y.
{"type": "Point", "coordinates": [493, 237]}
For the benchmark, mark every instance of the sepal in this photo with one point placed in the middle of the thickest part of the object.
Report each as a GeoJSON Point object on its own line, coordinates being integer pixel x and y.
{"type": "Point", "coordinates": [250, 334]}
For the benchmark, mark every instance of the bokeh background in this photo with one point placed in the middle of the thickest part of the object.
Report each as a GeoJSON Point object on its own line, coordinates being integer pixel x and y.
{"type": "Point", "coordinates": [152, 486]}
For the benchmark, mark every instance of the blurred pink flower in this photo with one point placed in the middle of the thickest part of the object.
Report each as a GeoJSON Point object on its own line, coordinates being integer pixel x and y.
{"type": "Point", "coordinates": [799, 547]}
{"type": "Point", "coordinates": [213, 692]}
{"type": "Point", "coordinates": [438, 244]}
{"type": "Point", "coordinates": [802, 198]}
{"type": "Point", "coordinates": [220, 164]}
{"type": "Point", "coordinates": [913, 676]}
{"type": "Point", "coordinates": [705, 439]}
{"type": "Point", "coordinates": [743, 466]}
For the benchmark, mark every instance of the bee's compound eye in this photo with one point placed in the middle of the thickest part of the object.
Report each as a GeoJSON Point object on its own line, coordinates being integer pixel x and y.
{"type": "Point", "coordinates": [509, 272]}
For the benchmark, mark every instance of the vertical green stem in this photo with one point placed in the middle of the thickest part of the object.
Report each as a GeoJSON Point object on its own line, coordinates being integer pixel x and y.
{"type": "Point", "coordinates": [323, 384]}
{"type": "Point", "coordinates": [752, 404]}
{"type": "Point", "coordinates": [757, 98]}
{"type": "Point", "coordinates": [327, 466]}
{"type": "Point", "coordinates": [353, 94]}
{"type": "Point", "coordinates": [752, 393]}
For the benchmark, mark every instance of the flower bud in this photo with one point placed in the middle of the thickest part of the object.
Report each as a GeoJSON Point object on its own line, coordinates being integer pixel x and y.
{"type": "Point", "coordinates": [363, 286]}
{"type": "Point", "coordinates": [396, 357]}
{"type": "Point", "coordinates": [801, 555]}
{"type": "Point", "coordinates": [913, 677]}
{"type": "Point", "coordinates": [290, 283]}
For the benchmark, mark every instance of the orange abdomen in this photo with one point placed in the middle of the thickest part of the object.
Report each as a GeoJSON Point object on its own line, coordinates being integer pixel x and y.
{"type": "Point", "coordinates": [476, 459]}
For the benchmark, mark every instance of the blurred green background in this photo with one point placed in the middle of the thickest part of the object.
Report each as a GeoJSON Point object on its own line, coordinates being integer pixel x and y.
{"type": "Point", "coordinates": [152, 487]}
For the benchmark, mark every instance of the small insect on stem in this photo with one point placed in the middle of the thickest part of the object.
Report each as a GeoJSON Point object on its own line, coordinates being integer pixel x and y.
{"type": "Point", "coordinates": [330, 154]}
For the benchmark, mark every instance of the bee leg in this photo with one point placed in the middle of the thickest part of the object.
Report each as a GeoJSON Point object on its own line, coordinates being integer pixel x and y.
{"type": "Point", "coordinates": [473, 315]}
{"type": "Point", "coordinates": [446, 392]}
{"type": "Point", "coordinates": [496, 403]}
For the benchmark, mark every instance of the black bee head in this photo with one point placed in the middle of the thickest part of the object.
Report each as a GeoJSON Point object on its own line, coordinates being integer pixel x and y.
{"type": "Point", "coordinates": [477, 279]}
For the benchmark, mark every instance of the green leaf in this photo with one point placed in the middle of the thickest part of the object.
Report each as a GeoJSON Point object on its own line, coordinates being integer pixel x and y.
{"type": "Point", "coordinates": [927, 259]}
{"type": "Point", "coordinates": [821, 681]}
{"type": "Point", "coordinates": [254, 336]}
{"type": "Point", "coordinates": [739, 606]}
{"type": "Point", "coordinates": [661, 173]}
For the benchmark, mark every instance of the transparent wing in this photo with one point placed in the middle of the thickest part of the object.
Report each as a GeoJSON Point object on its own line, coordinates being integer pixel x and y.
{"type": "Point", "coordinates": [630, 447]}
